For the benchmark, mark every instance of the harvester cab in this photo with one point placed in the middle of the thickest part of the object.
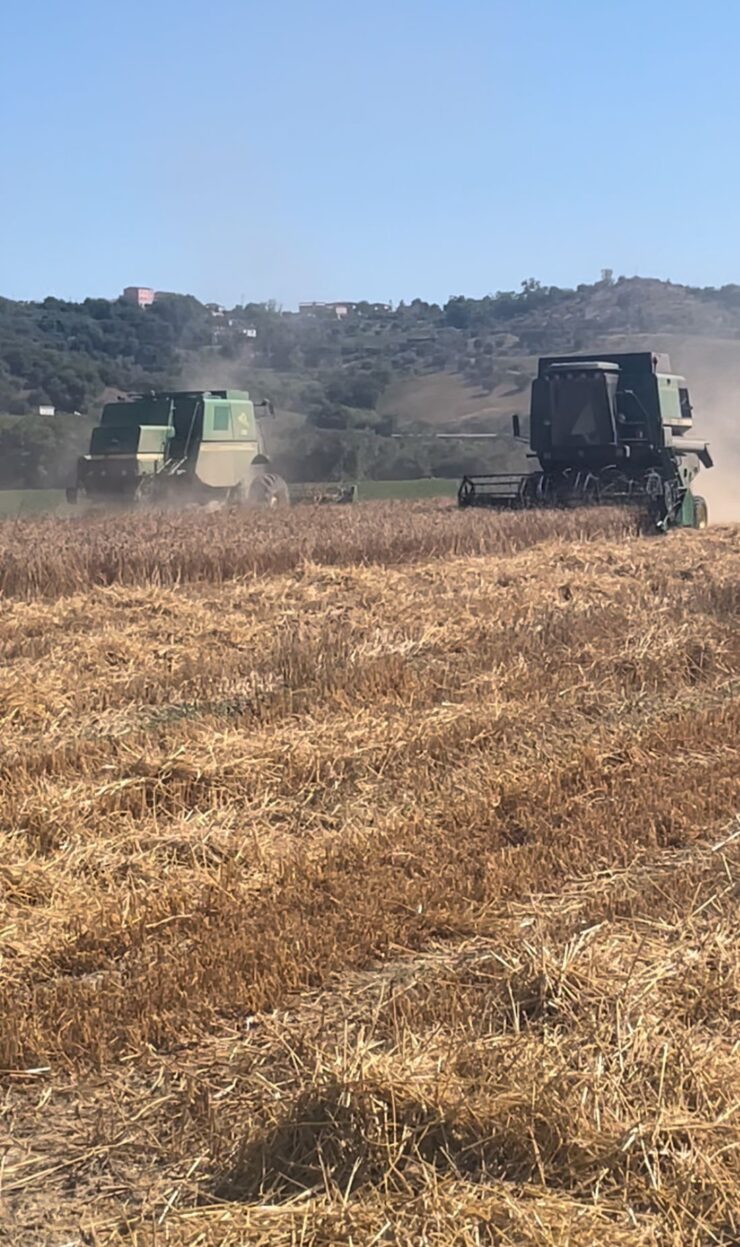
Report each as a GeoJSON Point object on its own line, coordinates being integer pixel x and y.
{"type": "Point", "coordinates": [198, 445]}
{"type": "Point", "coordinates": [607, 429]}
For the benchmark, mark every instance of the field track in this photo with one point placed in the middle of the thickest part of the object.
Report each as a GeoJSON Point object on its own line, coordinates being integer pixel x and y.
{"type": "Point", "coordinates": [369, 875]}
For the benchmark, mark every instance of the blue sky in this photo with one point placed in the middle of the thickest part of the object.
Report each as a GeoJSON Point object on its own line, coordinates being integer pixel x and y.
{"type": "Point", "coordinates": [381, 150]}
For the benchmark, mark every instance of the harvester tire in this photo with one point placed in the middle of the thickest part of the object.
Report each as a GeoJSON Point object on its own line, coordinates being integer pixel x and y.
{"type": "Point", "coordinates": [701, 512]}
{"type": "Point", "coordinates": [145, 494]}
{"type": "Point", "coordinates": [266, 490]}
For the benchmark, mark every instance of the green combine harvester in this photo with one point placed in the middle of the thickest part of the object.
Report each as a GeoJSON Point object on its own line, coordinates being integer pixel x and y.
{"type": "Point", "coordinates": [605, 429]}
{"type": "Point", "coordinates": [187, 446]}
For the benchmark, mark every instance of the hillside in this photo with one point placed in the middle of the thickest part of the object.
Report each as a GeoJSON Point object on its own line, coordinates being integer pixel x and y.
{"type": "Point", "coordinates": [369, 877]}
{"type": "Point", "coordinates": [445, 401]}
{"type": "Point", "coordinates": [343, 387]}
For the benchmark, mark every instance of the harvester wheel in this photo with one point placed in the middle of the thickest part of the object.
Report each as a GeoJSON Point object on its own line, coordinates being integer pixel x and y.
{"type": "Point", "coordinates": [266, 490]}
{"type": "Point", "coordinates": [146, 492]}
{"type": "Point", "coordinates": [701, 512]}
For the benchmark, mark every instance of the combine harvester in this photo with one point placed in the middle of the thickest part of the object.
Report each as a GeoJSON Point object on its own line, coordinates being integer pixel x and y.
{"type": "Point", "coordinates": [605, 429]}
{"type": "Point", "coordinates": [183, 446]}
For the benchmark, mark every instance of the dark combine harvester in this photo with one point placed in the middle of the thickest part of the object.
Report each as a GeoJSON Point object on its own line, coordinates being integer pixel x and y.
{"type": "Point", "coordinates": [609, 429]}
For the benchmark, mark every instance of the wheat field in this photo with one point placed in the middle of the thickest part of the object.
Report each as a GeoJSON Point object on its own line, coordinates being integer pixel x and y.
{"type": "Point", "coordinates": [369, 876]}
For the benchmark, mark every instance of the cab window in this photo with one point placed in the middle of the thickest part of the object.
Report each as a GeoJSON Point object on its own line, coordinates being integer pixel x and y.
{"type": "Point", "coordinates": [222, 419]}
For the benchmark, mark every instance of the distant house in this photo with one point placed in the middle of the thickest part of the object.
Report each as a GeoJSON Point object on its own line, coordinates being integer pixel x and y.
{"type": "Point", "coordinates": [340, 309]}
{"type": "Point", "coordinates": [238, 326]}
{"type": "Point", "coordinates": [46, 409]}
{"type": "Point", "coordinates": [142, 296]}
{"type": "Point", "coordinates": [216, 309]}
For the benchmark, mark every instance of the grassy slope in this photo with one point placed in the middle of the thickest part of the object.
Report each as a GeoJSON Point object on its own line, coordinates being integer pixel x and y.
{"type": "Point", "coordinates": [712, 366]}
{"type": "Point", "coordinates": [443, 400]}
{"type": "Point", "coordinates": [381, 888]}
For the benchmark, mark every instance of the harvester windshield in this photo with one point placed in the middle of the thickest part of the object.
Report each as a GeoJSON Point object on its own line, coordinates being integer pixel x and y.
{"type": "Point", "coordinates": [114, 439]}
{"type": "Point", "coordinates": [143, 411]}
{"type": "Point", "coordinates": [574, 407]}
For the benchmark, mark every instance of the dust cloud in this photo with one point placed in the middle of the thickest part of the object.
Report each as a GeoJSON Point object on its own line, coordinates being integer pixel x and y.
{"type": "Point", "coordinates": [710, 365]}
{"type": "Point", "coordinates": [216, 374]}
{"type": "Point", "coordinates": [712, 370]}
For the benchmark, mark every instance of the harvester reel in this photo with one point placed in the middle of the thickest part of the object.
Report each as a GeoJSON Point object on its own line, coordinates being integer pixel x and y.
{"type": "Point", "coordinates": [466, 492]}
{"type": "Point", "coordinates": [590, 491]}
